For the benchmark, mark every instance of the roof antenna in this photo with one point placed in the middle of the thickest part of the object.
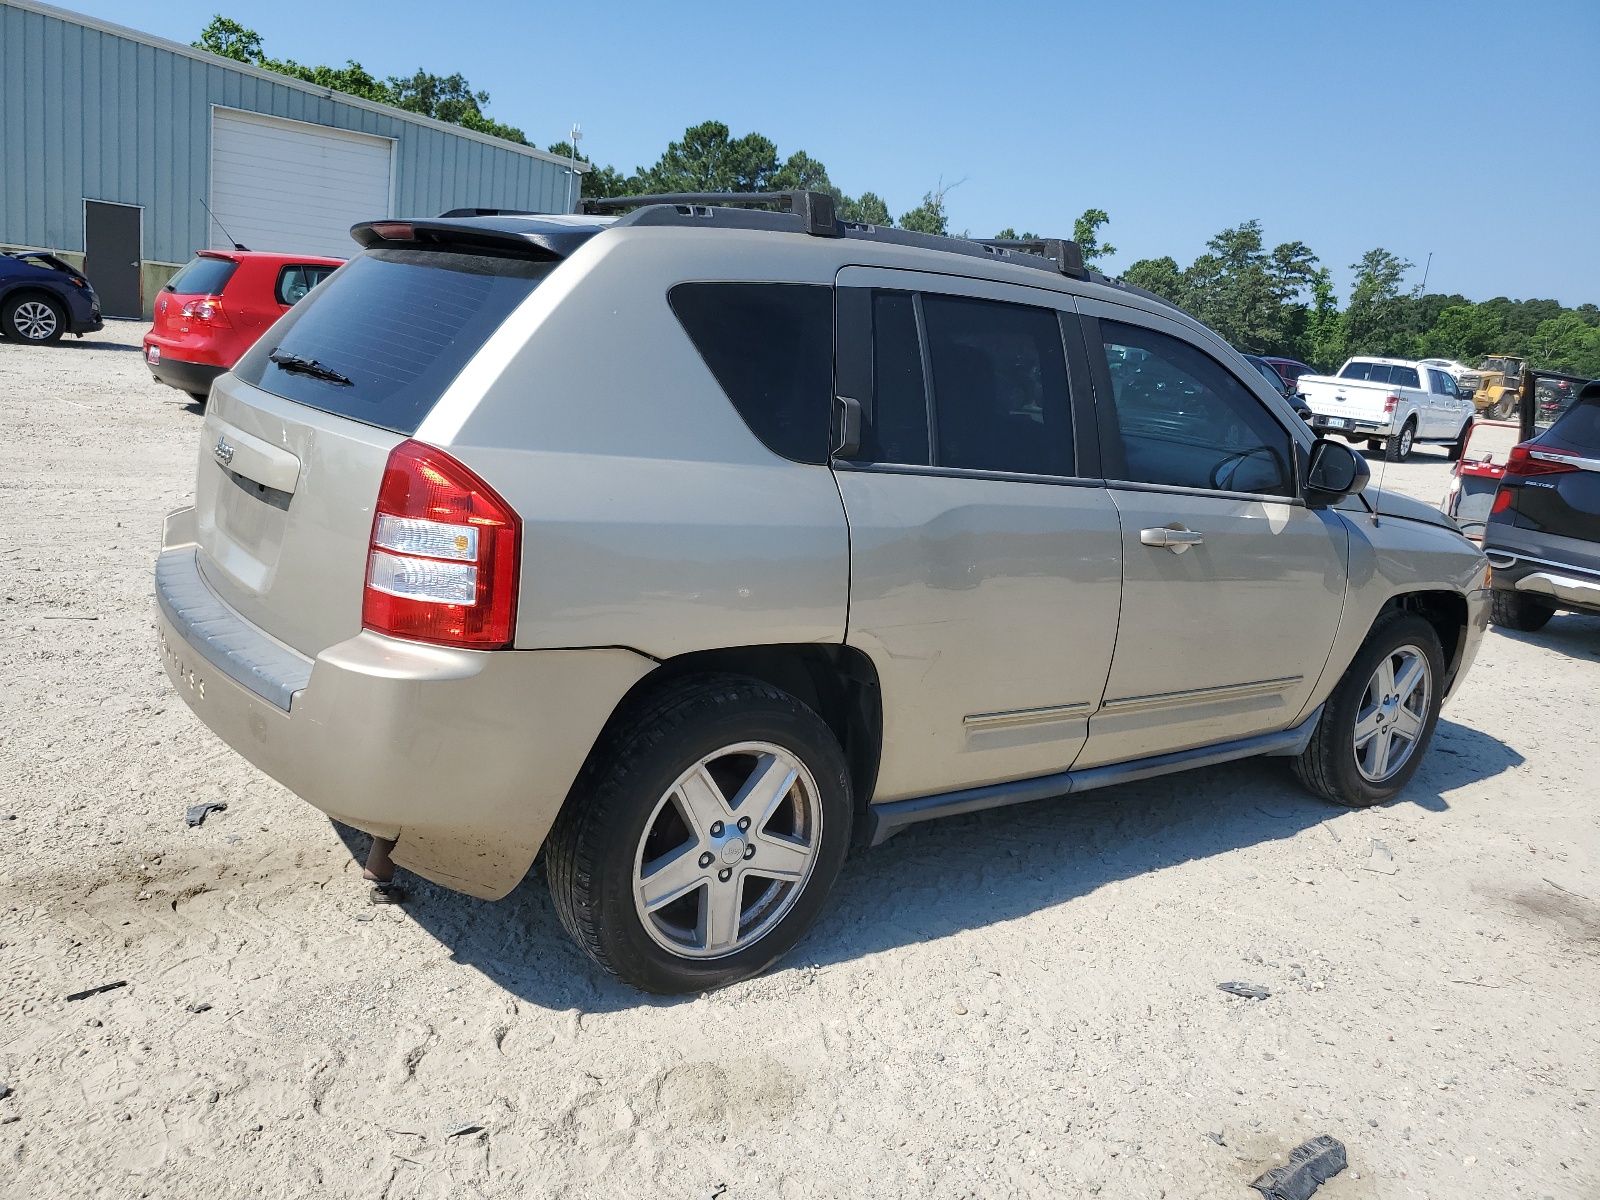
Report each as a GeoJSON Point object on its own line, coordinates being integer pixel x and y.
{"type": "Point", "coordinates": [225, 232]}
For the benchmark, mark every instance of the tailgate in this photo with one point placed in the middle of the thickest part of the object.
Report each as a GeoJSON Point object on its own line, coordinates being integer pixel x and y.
{"type": "Point", "coordinates": [1354, 399]}
{"type": "Point", "coordinates": [283, 501]}
{"type": "Point", "coordinates": [297, 436]}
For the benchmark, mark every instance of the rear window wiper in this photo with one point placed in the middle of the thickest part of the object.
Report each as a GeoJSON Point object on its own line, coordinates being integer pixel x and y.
{"type": "Point", "coordinates": [311, 367]}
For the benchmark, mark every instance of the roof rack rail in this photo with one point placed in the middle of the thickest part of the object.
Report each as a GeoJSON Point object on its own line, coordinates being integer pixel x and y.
{"type": "Point", "coordinates": [819, 218]}
{"type": "Point", "coordinates": [815, 209]}
{"type": "Point", "coordinates": [1066, 255]}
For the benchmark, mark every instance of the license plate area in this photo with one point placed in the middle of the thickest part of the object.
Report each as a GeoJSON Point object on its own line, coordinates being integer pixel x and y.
{"type": "Point", "coordinates": [153, 355]}
{"type": "Point", "coordinates": [1333, 423]}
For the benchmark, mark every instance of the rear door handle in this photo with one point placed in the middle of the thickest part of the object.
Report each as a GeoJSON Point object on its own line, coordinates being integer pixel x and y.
{"type": "Point", "coordinates": [1174, 537]}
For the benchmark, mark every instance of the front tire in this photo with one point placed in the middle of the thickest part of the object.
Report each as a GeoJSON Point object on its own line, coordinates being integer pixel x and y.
{"type": "Point", "coordinates": [1459, 446]}
{"type": "Point", "coordinates": [1514, 610]}
{"type": "Point", "coordinates": [701, 840]}
{"type": "Point", "coordinates": [1398, 448]}
{"type": "Point", "coordinates": [32, 318]}
{"type": "Point", "coordinates": [1376, 725]}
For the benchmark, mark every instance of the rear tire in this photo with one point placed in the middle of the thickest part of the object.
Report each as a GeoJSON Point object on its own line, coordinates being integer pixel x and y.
{"type": "Point", "coordinates": [1398, 448]}
{"type": "Point", "coordinates": [1503, 407]}
{"type": "Point", "coordinates": [32, 318]}
{"type": "Point", "coordinates": [1338, 768]}
{"type": "Point", "coordinates": [1514, 610]}
{"type": "Point", "coordinates": [652, 884]}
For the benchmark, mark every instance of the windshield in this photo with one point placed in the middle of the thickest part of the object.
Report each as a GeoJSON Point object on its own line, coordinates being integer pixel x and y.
{"type": "Point", "coordinates": [383, 338]}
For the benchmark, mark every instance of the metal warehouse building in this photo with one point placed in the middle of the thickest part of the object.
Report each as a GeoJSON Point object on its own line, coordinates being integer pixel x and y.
{"type": "Point", "coordinates": [111, 139]}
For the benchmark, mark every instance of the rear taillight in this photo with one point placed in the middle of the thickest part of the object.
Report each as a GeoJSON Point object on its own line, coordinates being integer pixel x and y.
{"type": "Point", "coordinates": [1502, 500]}
{"type": "Point", "coordinates": [1390, 404]}
{"type": "Point", "coordinates": [1528, 459]}
{"type": "Point", "coordinates": [442, 563]}
{"type": "Point", "coordinates": [207, 311]}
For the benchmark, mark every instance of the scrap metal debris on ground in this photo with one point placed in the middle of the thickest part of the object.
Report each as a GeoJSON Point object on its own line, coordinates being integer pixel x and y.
{"type": "Point", "coordinates": [1250, 991]}
{"type": "Point", "coordinates": [198, 812]}
{"type": "Point", "coordinates": [95, 991]}
{"type": "Point", "coordinates": [1311, 1164]}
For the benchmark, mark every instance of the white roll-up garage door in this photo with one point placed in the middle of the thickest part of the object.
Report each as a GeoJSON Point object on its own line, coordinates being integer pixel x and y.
{"type": "Point", "coordinates": [294, 187]}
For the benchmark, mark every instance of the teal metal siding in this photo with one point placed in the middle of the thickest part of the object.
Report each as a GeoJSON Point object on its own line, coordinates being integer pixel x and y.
{"type": "Point", "coordinates": [88, 114]}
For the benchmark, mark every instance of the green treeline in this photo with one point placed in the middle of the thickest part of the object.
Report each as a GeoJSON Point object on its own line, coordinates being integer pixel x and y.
{"type": "Point", "coordinates": [1281, 302]}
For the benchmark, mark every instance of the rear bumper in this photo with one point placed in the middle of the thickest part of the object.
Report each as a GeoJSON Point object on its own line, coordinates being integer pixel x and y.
{"type": "Point", "coordinates": [1563, 584]}
{"type": "Point", "coordinates": [194, 378]}
{"type": "Point", "coordinates": [465, 757]}
{"type": "Point", "coordinates": [1350, 427]}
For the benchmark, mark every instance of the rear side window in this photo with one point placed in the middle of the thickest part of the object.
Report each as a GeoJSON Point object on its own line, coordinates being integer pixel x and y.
{"type": "Point", "coordinates": [203, 277]}
{"type": "Point", "coordinates": [894, 428]}
{"type": "Point", "coordinates": [1404, 377]}
{"type": "Point", "coordinates": [390, 334]}
{"type": "Point", "coordinates": [999, 386]}
{"type": "Point", "coordinates": [295, 280]}
{"type": "Point", "coordinates": [770, 346]}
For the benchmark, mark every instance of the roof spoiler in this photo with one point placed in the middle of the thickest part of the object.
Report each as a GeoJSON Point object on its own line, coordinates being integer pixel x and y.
{"type": "Point", "coordinates": [468, 234]}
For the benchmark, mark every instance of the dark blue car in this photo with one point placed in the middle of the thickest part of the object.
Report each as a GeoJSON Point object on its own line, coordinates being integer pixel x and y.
{"type": "Point", "coordinates": [41, 298]}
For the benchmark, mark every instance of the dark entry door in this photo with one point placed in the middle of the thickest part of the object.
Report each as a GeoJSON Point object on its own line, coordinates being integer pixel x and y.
{"type": "Point", "coordinates": [111, 251]}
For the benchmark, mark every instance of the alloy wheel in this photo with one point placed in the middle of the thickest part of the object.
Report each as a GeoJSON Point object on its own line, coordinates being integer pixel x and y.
{"type": "Point", "coordinates": [1405, 441]}
{"type": "Point", "coordinates": [1393, 713]}
{"type": "Point", "coordinates": [35, 320]}
{"type": "Point", "coordinates": [727, 851]}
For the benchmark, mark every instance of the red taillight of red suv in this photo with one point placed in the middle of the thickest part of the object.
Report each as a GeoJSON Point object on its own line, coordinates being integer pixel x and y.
{"type": "Point", "coordinates": [207, 310]}
{"type": "Point", "coordinates": [1528, 460]}
{"type": "Point", "coordinates": [442, 562]}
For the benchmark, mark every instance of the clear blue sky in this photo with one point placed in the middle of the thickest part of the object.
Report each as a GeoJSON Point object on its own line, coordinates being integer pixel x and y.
{"type": "Point", "coordinates": [1468, 129]}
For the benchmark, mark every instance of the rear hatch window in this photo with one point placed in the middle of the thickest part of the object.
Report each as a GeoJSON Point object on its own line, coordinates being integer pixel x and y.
{"type": "Point", "coordinates": [389, 332]}
{"type": "Point", "coordinates": [203, 277]}
{"type": "Point", "coordinates": [1578, 430]}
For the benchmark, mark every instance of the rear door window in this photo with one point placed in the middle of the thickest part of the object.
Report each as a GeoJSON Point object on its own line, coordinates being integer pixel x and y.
{"type": "Point", "coordinates": [770, 346]}
{"type": "Point", "coordinates": [203, 277]}
{"type": "Point", "coordinates": [894, 426]}
{"type": "Point", "coordinates": [382, 342]}
{"type": "Point", "coordinates": [1184, 420]}
{"type": "Point", "coordinates": [1404, 377]}
{"type": "Point", "coordinates": [297, 279]}
{"type": "Point", "coordinates": [999, 386]}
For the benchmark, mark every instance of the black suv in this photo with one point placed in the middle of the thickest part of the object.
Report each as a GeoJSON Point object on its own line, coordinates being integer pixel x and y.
{"type": "Point", "coordinates": [1543, 535]}
{"type": "Point", "coordinates": [41, 298]}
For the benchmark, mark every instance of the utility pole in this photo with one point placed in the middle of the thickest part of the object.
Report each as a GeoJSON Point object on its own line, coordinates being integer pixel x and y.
{"type": "Point", "coordinates": [572, 167]}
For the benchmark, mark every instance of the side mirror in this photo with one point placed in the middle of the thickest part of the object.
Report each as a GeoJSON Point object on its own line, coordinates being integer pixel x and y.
{"type": "Point", "coordinates": [1334, 472]}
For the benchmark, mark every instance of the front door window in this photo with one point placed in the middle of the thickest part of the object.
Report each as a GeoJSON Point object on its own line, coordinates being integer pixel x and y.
{"type": "Point", "coordinates": [1184, 420]}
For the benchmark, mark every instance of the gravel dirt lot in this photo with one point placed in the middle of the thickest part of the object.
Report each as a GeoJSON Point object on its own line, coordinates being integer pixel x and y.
{"type": "Point", "coordinates": [1015, 1004]}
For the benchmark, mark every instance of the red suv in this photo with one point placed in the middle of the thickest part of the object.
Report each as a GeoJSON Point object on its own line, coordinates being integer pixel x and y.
{"type": "Point", "coordinates": [214, 309]}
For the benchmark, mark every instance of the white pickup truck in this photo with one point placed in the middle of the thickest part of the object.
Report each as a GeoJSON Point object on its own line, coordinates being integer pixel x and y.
{"type": "Point", "coordinates": [1389, 403]}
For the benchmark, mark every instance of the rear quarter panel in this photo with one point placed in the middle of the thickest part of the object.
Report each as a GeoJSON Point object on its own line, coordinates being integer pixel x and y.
{"type": "Point", "coordinates": [652, 517]}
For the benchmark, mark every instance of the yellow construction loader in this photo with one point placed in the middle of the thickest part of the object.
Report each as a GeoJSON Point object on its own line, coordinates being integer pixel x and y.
{"type": "Point", "coordinates": [1496, 397]}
